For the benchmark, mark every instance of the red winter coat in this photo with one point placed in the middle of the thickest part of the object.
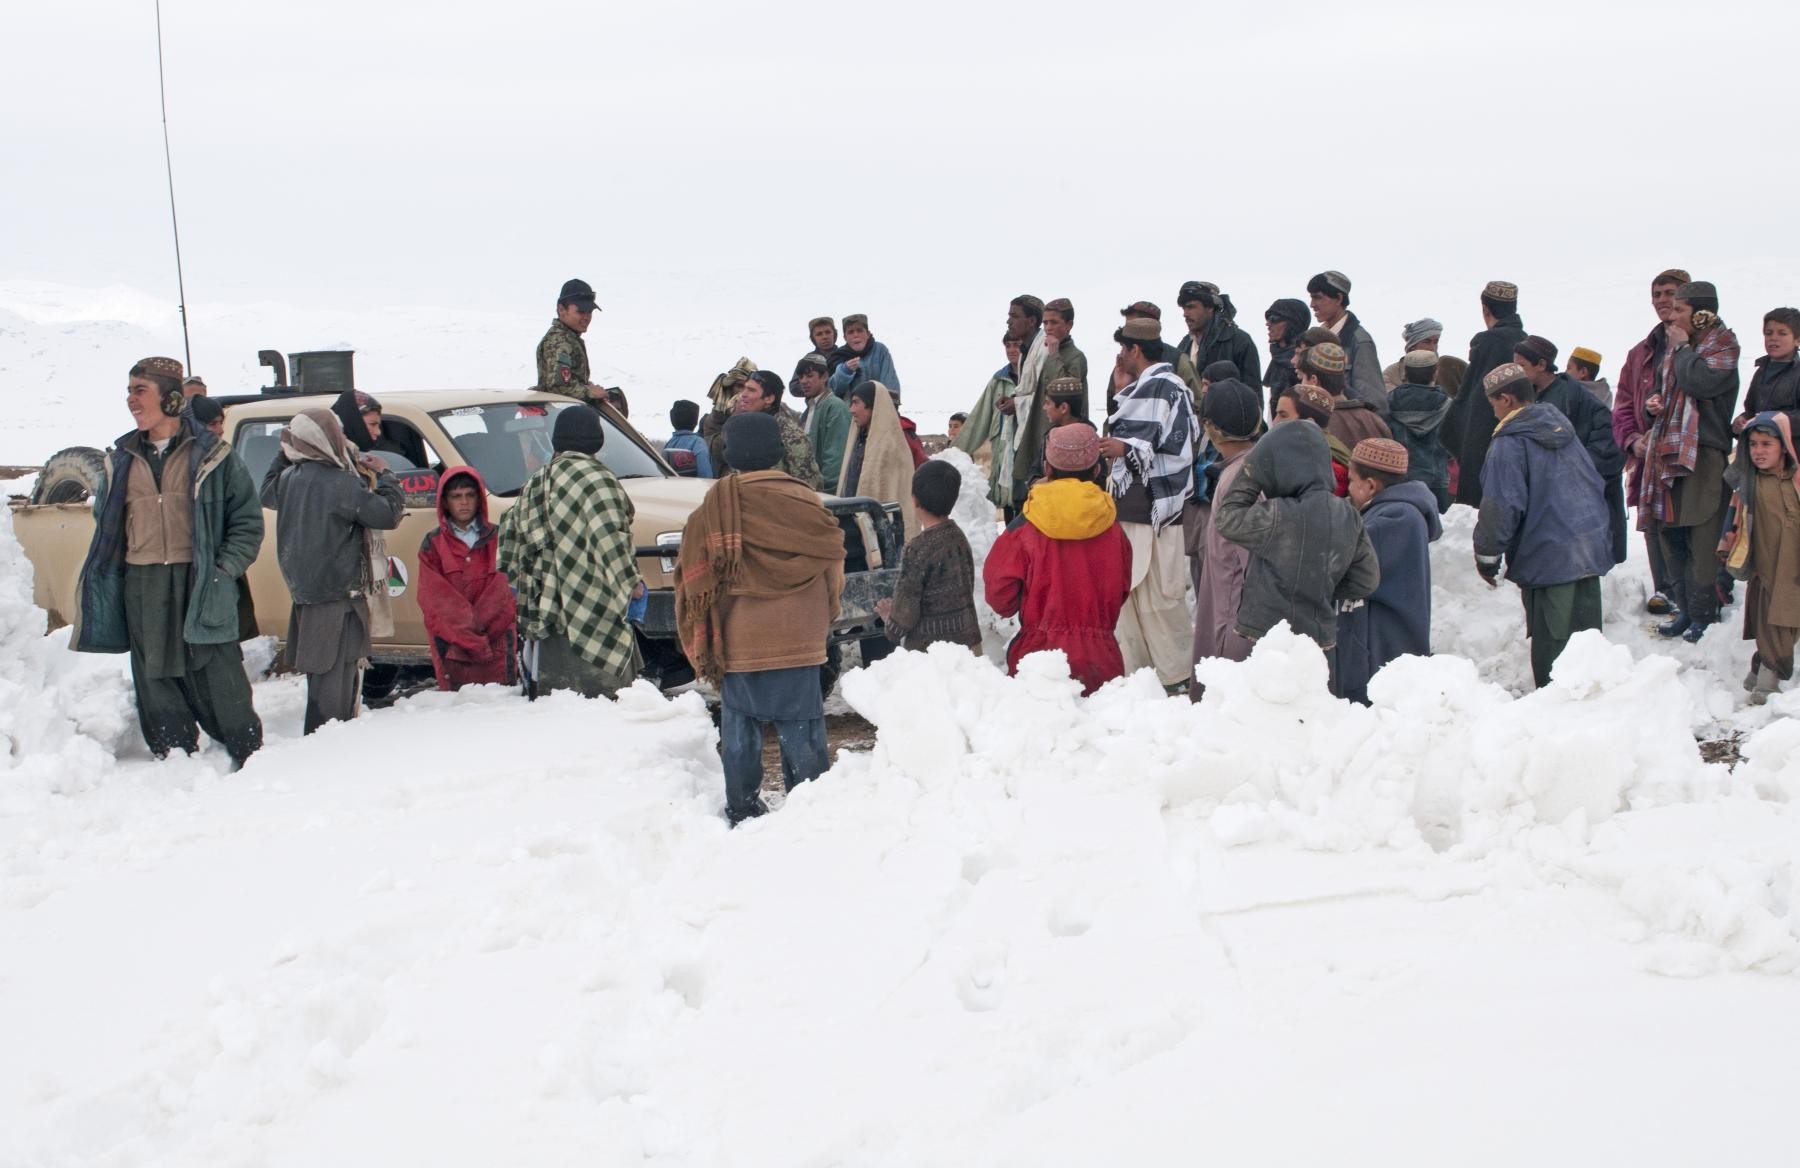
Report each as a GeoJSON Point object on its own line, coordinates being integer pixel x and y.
{"type": "Point", "coordinates": [466, 602]}
{"type": "Point", "coordinates": [1637, 381]}
{"type": "Point", "coordinates": [1066, 571]}
{"type": "Point", "coordinates": [911, 430]}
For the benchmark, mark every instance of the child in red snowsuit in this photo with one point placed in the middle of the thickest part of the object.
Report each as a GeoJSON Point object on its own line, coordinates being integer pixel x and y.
{"type": "Point", "coordinates": [466, 601]}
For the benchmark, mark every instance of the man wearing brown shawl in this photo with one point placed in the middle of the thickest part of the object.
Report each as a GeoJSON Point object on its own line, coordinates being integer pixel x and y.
{"type": "Point", "coordinates": [757, 587]}
{"type": "Point", "coordinates": [331, 506]}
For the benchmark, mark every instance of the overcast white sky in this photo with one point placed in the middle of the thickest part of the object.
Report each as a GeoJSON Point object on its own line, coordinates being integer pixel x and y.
{"type": "Point", "coordinates": [722, 172]}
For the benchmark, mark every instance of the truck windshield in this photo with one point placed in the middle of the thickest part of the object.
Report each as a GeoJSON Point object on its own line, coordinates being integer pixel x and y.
{"type": "Point", "coordinates": [509, 440]}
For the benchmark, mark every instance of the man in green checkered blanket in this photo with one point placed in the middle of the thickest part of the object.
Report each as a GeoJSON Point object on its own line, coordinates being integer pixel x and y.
{"type": "Point", "coordinates": [566, 545]}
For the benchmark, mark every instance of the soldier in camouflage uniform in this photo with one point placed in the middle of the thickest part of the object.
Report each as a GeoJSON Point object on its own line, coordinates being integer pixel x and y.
{"type": "Point", "coordinates": [562, 361]}
{"type": "Point", "coordinates": [761, 393]}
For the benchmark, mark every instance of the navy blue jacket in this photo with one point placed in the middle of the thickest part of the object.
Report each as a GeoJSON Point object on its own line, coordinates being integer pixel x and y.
{"type": "Point", "coordinates": [1543, 505]}
{"type": "Point", "coordinates": [1402, 523]}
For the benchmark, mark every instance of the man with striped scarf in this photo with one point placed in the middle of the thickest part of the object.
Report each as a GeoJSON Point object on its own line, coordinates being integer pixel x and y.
{"type": "Point", "coordinates": [1150, 440]}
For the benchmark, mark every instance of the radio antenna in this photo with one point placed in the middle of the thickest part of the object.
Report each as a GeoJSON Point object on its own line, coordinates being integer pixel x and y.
{"type": "Point", "coordinates": [162, 93]}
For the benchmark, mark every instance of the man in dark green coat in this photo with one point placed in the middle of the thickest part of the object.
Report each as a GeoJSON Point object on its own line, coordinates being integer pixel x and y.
{"type": "Point", "coordinates": [176, 525]}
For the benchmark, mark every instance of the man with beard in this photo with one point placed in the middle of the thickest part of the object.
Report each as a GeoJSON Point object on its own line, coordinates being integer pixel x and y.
{"type": "Point", "coordinates": [1213, 334]}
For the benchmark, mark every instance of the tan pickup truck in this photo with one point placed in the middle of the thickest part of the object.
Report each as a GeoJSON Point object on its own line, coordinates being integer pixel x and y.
{"type": "Point", "coordinates": [505, 434]}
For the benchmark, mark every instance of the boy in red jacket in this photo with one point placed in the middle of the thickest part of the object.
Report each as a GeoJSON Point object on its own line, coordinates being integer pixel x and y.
{"type": "Point", "coordinates": [466, 601]}
{"type": "Point", "coordinates": [1066, 570]}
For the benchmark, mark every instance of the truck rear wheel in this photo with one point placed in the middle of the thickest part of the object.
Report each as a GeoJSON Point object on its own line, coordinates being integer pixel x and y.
{"type": "Point", "coordinates": [70, 476]}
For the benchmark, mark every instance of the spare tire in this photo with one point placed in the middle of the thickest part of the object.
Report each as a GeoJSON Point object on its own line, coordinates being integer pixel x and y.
{"type": "Point", "coordinates": [70, 476]}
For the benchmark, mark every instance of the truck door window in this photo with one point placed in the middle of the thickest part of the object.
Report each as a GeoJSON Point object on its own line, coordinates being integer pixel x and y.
{"type": "Point", "coordinates": [257, 443]}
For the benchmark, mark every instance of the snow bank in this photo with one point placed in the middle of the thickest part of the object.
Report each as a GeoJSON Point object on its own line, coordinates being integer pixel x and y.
{"type": "Point", "coordinates": [1026, 927]}
{"type": "Point", "coordinates": [975, 515]}
{"type": "Point", "coordinates": [63, 716]}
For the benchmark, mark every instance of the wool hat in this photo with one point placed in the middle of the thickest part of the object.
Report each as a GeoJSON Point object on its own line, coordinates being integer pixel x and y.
{"type": "Point", "coordinates": [1233, 408]}
{"type": "Point", "coordinates": [811, 363]}
{"type": "Point", "coordinates": [1675, 276]}
{"type": "Point", "coordinates": [1509, 374]}
{"type": "Point", "coordinates": [1061, 305]}
{"type": "Point", "coordinates": [1697, 290]}
{"type": "Point", "coordinates": [1421, 330]}
{"type": "Point", "coordinates": [1382, 454]}
{"type": "Point", "coordinates": [1029, 302]}
{"type": "Point", "coordinates": [1072, 448]}
{"type": "Point", "coordinates": [752, 442]}
{"type": "Point", "coordinates": [1420, 359]}
{"type": "Point", "coordinates": [578, 293]}
{"type": "Point", "coordinates": [816, 321]}
{"type": "Point", "coordinates": [1328, 356]}
{"type": "Point", "coordinates": [1336, 281]}
{"type": "Point", "coordinates": [1586, 355]}
{"type": "Point", "coordinates": [206, 411]}
{"type": "Point", "coordinates": [578, 429]}
{"type": "Point", "coordinates": [1140, 328]}
{"type": "Point", "coordinates": [1198, 292]}
{"type": "Point", "coordinates": [1316, 396]}
{"type": "Point", "coordinates": [1539, 349]}
{"type": "Point", "coordinates": [1294, 312]}
{"type": "Point", "coordinates": [1219, 371]}
{"type": "Point", "coordinates": [864, 392]}
{"type": "Point", "coordinates": [1064, 387]}
{"type": "Point", "coordinates": [1141, 308]}
{"type": "Point", "coordinates": [1501, 290]}
{"type": "Point", "coordinates": [856, 318]}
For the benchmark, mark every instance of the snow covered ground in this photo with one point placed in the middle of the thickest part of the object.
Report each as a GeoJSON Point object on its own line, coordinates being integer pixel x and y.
{"type": "Point", "coordinates": [1461, 926]}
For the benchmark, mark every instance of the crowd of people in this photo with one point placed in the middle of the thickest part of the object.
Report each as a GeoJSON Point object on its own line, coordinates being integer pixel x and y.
{"type": "Point", "coordinates": [1306, 489]}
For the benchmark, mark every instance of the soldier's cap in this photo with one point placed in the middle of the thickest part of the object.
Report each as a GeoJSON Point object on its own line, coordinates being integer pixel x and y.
{"type": "Point", "coordinates": [578, 293]}
{"type": "Point", "coordinates": [1420, 359]}
{"type": "Point", "coordinates": [1141, 308]}
{"type": "Point", "coordinates": [856, 319]}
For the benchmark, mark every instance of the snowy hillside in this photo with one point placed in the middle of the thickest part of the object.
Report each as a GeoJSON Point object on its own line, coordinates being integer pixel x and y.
{"type": "Point", "coordinates": [1026, 928]}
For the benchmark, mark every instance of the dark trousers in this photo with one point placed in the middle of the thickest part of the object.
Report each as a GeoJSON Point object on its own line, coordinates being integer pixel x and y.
{"type": "Point", "coordinates": [336, 694]}
{"type": "Point", "coordinates": [213, 695]}
{"type": "Point", "coordinates": [790, 699]}
{"type": "Point", "coordinates": [1691, 559]}
{"type": "Point", "coordinates": [1553, 615]}
{"type": "Point", "coordinates": [1659, 571]}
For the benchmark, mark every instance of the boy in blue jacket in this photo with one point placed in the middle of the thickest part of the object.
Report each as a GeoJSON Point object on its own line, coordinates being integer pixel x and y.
{"type": "Point", "coordinates": [1400, 516]}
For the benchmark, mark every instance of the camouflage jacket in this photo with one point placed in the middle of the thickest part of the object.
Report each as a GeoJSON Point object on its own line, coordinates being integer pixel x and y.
{"type": "Point", "coordinates": [797, 458]}
{"type": "Point", "coordinates": [562, 362]}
